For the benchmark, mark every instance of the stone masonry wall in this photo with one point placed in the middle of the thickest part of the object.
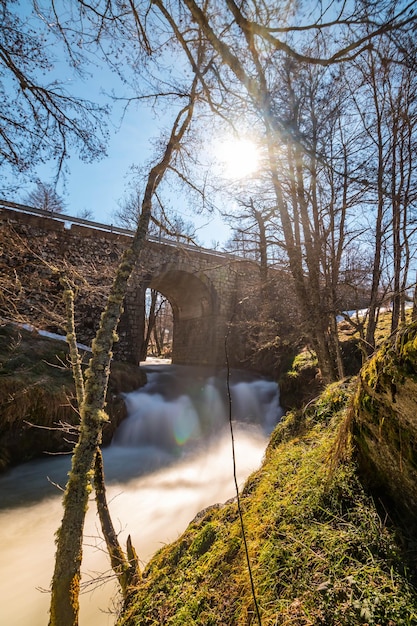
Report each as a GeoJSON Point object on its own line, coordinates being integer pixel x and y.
{"type": "Point", "coordinates": [201, 286]}
{"type": "Point", "coordinates": [31, 249]}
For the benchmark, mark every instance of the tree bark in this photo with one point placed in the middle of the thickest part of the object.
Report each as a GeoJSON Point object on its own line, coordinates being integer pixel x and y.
{"type": "Point", "coordinates": [126, 568]}
{"type": "Point", "coordinates": [150, 325]}
{"type": "Point", "coordinates": [64, 607]}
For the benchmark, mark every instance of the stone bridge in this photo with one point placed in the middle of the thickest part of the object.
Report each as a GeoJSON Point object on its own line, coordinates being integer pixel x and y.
{"type": "Point", "coordinates": [203, 286]}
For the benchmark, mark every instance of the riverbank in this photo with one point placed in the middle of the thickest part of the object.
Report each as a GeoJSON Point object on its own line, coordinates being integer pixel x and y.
{"type": "Point", "coordinates": [324, 533]}
{"type": "Point", "coordinates": [37, 396]}
{"type": "Point", "coordinates": [321, 551]}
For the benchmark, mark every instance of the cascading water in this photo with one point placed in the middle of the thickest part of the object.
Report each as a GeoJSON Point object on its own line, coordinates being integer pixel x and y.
{"type": "Point", "coordinates": [169, 459]}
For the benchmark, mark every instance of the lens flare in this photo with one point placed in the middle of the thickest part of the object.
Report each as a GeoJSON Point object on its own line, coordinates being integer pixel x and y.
{"type": "Point", "coordinates": [185, 424]}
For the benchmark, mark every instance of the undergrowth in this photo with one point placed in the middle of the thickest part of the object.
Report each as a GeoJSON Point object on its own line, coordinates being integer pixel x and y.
{"type": "Point", "coordinates": [320, 553]}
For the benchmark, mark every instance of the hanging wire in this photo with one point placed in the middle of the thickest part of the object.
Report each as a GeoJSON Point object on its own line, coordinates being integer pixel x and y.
{"type": "Point", "coordinates": [242, 526]}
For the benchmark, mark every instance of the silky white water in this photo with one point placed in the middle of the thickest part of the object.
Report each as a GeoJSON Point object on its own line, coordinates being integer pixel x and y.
{"type": "Point", "coordinates": [170, 459]}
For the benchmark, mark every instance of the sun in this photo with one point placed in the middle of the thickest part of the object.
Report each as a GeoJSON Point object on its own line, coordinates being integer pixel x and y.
{"type": "Point", "coordinates": [238, 158]}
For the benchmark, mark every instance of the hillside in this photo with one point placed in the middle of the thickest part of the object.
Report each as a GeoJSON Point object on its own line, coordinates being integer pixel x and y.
{"type": "Point", "coordinates": [330, 536]}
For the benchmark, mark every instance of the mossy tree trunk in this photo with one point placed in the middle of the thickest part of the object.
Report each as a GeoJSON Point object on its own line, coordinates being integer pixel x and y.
{"type": "Point", "coordinates": [91, 394]}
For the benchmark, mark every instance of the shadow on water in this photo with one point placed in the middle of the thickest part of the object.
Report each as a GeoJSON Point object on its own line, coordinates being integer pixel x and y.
{"type": "Point", "coordinates": [179, 413]}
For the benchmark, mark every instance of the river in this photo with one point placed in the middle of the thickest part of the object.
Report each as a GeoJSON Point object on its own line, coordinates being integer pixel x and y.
{"type": "Point", "coordinates": [169, 459]}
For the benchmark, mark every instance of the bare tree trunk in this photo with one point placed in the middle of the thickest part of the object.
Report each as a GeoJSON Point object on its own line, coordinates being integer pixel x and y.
{"type": "Point", "coordinates": [396, 232]}
{"type": "Point", "coordinates": [126, 568]}
{"type": "Point", "coordinates": [150, 325]}
{"type": "Point", "coordinates": [414, 312]}
{"type": "Point", "coordinates": [374, 303]}
{"type": "Point", "coordinates": [64, 605]}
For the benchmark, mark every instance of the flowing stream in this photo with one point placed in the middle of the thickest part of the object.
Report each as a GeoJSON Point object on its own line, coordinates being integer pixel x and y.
{"type": "Point", "coordinates": [169, 459]}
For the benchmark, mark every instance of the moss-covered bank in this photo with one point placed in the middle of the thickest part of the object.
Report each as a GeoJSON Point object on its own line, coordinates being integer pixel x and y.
{"type": "Point", "coordinates": [320, 552]}
{"type": "Point", "coordinates": [37, 396]}
{"type": "Point", "coordinates": [385, 424]}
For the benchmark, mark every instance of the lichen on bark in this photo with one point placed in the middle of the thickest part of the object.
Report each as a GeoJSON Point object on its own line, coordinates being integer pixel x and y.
{"type": "Point", "coordinates": [65, 582]}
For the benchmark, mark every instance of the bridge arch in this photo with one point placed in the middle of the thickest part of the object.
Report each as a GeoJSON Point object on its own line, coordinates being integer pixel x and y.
{"type": "Point", "coordinates": [194, 302]}
{"type": "Point", "coordinates": [190, 293]}
{"type": "Point", "coordinates": [194, 306]}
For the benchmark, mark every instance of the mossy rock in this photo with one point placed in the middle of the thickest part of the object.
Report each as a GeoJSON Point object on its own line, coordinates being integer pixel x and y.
{"type": "Point", "coordinates": [302, 382]}
{"type": "Point", "coordinates": [385, 423]}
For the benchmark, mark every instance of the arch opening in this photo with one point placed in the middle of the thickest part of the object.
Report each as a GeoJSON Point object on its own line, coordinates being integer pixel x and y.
{"type": "Point", "coordinates": [197, 323]}
{"type": "Point", "coordinates": [159, 326]}
{"type": "Point", "coordinates": [192, 301]}
{"type": "Point", "coordinates": [189, 296]}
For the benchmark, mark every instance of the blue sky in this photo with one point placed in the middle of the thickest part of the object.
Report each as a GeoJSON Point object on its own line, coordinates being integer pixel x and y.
{"type": "Point", "coordinates": [99, 186]}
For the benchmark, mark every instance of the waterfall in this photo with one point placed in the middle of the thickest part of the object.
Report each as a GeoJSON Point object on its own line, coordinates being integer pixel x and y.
{"type": "Point", "coordinates": [169, 459]}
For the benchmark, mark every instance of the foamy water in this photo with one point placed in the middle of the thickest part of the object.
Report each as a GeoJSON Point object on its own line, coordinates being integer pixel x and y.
{"type": "Point", "coordinates": [156, 486]}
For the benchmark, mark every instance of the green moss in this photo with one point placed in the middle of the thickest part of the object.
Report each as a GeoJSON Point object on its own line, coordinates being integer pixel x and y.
{"type": "Point", "coordinates": [368, 404]}
{"type": "Point", "coordinates": [385, 425]}
{"type": "Point", "coordinates": [301, 382]}
{"type": "Point", "coordinates": [291, 424]}
{"type": "Point", "coordinates": [203, 540]}
{"type": "Point", "coordinates": [333, 399]}
{"type": "Point", "coordinates": [320, 553]}
{"type": "Point", "coordinates": [306, 358]}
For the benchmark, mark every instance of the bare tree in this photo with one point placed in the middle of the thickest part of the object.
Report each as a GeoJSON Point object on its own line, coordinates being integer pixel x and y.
{"type": "Point", "coordinates": [383, 93]}
{"type": "Point", "coordinates": [86, 214]}
{"type": "Point", "coordinates": [252, 40]}
{"type": "Point", "coordinates": [48, 114]}
{"type": "Point", "coordinates": [402, 123]}
{"type": "Point", "coordinates": [45, 197]}
{"type": "Point", "coordinates": [252, 236]}
{"type": "Point", "coordinates": [40, 119]}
